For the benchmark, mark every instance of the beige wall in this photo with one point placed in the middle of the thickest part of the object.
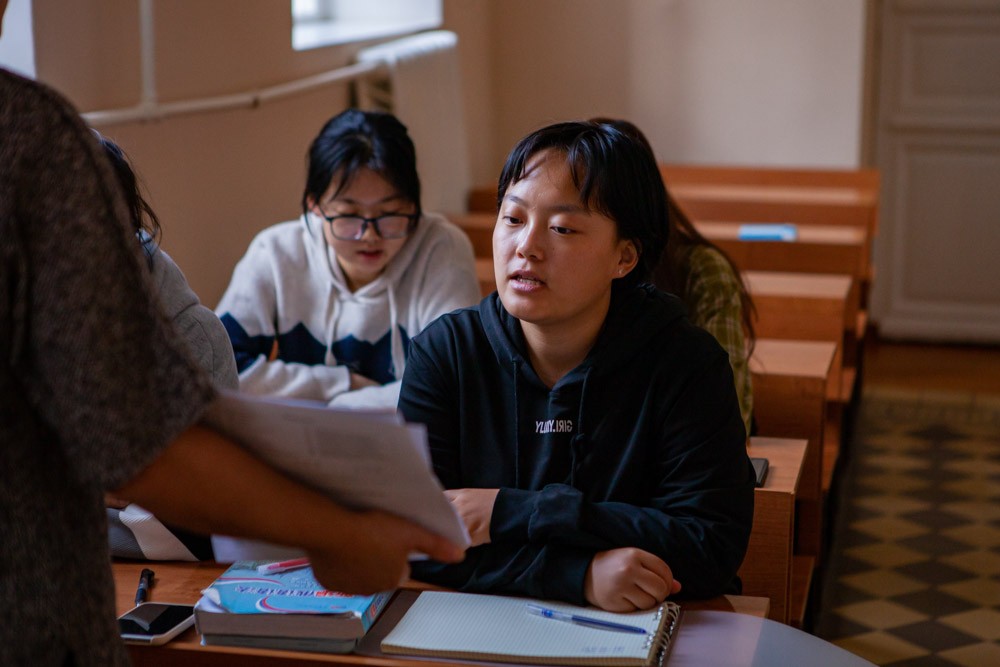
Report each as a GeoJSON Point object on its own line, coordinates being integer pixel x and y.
{"type": "Point", "coordinates": [710, 81]}
{"type": "Point", "coordinates": [768, 82]}
{"type": "Point", "coordinates": [470, 20]}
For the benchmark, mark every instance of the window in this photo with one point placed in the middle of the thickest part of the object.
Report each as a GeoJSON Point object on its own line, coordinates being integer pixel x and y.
{"type": "Point", "coordinates": [317, 23]}
{"type": "Point", "coordinates": [17, 44]}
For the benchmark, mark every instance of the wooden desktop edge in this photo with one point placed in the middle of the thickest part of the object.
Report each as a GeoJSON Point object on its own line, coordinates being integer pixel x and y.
{"type": "Point", "coordinates": [182, 582]}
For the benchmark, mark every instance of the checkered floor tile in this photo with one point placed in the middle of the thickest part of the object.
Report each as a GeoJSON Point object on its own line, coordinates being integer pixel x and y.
{"type": "Point", "coordinates": [913, 576]}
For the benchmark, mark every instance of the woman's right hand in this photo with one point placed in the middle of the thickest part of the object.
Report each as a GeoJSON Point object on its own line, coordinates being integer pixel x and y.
{"type": "Point", "coordinates": [628, 579]}
{"type": "Point", "coordinates": [374, 556]}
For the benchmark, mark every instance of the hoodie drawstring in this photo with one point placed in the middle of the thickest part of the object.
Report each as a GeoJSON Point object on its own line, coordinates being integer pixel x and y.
{"type": "Point", "coordinates": [332, 302]}
{"type": "Point", "coordinates": [395, 338]}
{"type": "Point", "coordinates": [517, 425]}
{"type": "Point", "coordinates": [332, 314]}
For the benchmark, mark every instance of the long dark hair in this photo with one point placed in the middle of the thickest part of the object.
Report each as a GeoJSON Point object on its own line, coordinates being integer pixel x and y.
{"type": "Point", "coordinates": [144, 221]}
{"type": "Point", "coordinates": [672, 273]}
{"type": "Point", "coordinates": [354, 140]}
{"type": "Point", "coordinates": [615, 175]}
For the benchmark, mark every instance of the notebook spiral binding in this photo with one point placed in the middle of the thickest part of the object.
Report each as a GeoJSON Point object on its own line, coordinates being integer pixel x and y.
{"type": "Point", "coordinates": [661, 640]}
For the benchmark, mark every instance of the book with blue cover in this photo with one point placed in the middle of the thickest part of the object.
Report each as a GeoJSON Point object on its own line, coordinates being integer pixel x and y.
{"type": "Point", "coordinates": [281, 607]}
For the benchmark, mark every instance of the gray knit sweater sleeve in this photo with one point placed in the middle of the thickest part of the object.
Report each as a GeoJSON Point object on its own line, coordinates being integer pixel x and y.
{"type": "Point", "coordinates": [200, 328]}
{"type": "Point", "coordinates": [93, 381]}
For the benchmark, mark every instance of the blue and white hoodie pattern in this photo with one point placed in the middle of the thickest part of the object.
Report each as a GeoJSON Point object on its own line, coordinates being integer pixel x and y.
{"type": "Point", "coordinates": [289, 293]}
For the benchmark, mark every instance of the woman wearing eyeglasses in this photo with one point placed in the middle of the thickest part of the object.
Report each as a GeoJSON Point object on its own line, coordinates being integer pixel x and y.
{"type": "Point", "coordinates": [324, 307]}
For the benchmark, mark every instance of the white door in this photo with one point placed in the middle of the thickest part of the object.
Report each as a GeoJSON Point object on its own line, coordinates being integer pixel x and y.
{"type": "Point", "coordinates": [938, 146]}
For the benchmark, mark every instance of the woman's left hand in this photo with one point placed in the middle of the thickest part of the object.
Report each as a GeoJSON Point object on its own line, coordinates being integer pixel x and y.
{"type": "Point", "coordinates": [475, 506]}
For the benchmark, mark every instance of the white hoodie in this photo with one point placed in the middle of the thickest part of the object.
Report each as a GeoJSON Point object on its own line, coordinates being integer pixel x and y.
{"type": "Point", "coordinates": [289, 289]}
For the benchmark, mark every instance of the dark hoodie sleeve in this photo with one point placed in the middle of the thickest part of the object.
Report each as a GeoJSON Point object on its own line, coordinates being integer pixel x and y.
{"type": "Point", "coordinates": [427, 397]}
{"type": "Point", "coordinates": [698, 515]}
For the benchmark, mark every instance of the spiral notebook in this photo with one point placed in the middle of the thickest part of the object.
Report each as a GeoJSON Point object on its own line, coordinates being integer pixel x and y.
{"type": "Point", "coordinates": [503, 629]}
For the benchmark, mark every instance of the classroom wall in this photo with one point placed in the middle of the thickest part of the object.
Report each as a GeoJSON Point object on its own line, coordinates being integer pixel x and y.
{"type": "Point", "coordinates": [774, 82]}
{"type": "Point", "coordinates": [709, 81]}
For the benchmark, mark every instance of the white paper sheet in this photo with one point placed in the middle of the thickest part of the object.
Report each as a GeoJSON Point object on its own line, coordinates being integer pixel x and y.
{"type": "Point", "coordinates": [362, 460]}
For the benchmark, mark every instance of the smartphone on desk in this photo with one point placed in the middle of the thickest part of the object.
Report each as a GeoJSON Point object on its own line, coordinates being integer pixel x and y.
{"type": "Point", "coordinates": [760, 466]}
{"type": "Point", "coordinates": [155, 623]}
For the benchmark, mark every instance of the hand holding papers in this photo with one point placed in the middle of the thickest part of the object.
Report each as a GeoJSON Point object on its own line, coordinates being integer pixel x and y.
{"type": "Point", "coordinates": [362, 460]}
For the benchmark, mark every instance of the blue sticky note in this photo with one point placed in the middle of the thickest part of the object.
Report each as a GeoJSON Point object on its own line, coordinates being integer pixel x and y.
{"type": "Point", "coordinates": [783, 231]}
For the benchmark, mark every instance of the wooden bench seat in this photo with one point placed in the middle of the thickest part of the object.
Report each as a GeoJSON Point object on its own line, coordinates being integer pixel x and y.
{"type": "Point", "coordinates": [865, 179]}
{"type": "Point", "coordinates": [789, 385]}
{"type": "Point", "coordinates": [805, 306]}
{"type": "Point", "coordinates": [767, 567]}
{"type": "Point", "coordinates": [765, 194]}
{"type": "Point", "coordinates": [816, 249]}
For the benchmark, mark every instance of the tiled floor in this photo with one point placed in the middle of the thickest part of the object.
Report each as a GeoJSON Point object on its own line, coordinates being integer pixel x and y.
{"type": "Point", "coordinates": [913, 577]}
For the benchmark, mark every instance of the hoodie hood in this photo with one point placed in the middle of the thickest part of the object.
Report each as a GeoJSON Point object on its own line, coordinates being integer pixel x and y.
{"type": "Point", "coordinates": [634, 317]}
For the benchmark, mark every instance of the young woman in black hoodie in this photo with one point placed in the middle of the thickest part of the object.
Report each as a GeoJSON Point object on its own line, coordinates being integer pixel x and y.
{"type": "Point", "coordinates": [586, 431]}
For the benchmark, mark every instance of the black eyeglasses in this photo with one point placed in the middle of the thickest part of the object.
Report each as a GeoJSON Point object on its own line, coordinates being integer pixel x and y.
{"type": "Point", "coordinates": [389, 226]}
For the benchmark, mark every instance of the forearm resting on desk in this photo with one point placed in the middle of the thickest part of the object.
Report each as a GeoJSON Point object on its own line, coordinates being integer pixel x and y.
{"type": "Point", "coordinates": [205, 482]}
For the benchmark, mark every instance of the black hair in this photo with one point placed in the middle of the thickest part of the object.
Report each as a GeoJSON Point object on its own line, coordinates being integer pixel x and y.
{"type": "Point", "coordinates": [355, 139]}
{"type": "Point", "coordinates": [616, 176]}
{"type": "Point", "coordinates": [144, 221]}
{"type": "Point", "coordinates": [672, 273]}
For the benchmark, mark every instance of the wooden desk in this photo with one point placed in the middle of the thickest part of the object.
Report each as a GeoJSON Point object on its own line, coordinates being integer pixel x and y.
{"type": "Point", "coordinates": [775, 203]}
{"type": "Point", "coordinates": [816, 249]}
{"type": "Point", "coordinates": [809, 197]}
{"type": "Point", "coordinates": [796, 185]}
{"type": "Point", "coordinates": [789, 386]}
{"type": "Point", "coordinates": [819, 249]}
{"type": "Point", "coordinates": [767, 567]}
{"type": "Point", "coordinates": [866, 180]}
{"type": "Point", "coordinates": [801, 306]}
{"type": "Point", "coordinates": [804, 306]}
{"type": "Point", "coordinates": [813, 197]}
{"type": "Point", "coordinates": [183, 582]}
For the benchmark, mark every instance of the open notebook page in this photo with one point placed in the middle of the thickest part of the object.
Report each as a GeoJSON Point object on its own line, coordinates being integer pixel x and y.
{"type": "Point", "coordinates": [493, 627]}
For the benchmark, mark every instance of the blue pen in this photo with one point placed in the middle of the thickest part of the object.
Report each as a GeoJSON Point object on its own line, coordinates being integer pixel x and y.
{"type": "Point", "coordinates": [538, 610]}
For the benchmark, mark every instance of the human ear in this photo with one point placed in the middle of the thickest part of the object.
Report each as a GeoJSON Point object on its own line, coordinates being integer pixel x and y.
{"type": "Point", "coordinates": [628, 257]}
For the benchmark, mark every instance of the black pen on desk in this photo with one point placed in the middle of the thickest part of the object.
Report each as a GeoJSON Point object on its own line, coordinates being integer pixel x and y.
{"type": "Point", "coordinates": [145, 583]}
